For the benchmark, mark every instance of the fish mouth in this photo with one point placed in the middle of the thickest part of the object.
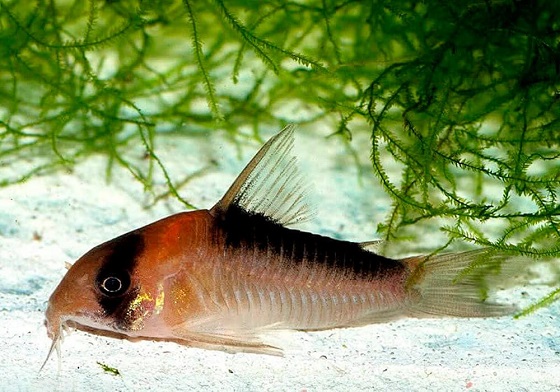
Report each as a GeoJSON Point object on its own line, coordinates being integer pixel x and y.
{"type": "Point", "coordinates": [57, 327]}
{"type": "Point", "coordinates": [56, 332]}
{"type": "Point", "coordinates": [57, 336]}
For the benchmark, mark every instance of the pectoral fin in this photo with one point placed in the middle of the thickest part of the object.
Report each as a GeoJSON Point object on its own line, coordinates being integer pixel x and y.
{"type": "Point", "coordinates": [233, 343]}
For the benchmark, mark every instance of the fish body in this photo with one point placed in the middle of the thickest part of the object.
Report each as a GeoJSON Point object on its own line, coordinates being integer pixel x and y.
{"type": "Point", "coordinates": [224, 278]}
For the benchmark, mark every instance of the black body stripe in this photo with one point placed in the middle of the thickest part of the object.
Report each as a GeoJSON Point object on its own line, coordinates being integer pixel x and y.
{"type": "Point", "coordinates": [120, 262]}
{"type": "Point", "coordinates": [247, 230]}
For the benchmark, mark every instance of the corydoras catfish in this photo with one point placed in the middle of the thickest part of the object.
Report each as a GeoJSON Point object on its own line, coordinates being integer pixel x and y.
{"type": "Point", "coordinates": [226, 277]}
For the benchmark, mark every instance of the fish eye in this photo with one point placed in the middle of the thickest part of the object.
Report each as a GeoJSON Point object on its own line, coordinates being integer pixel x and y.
{"type": "Point", "coordinates": [114, 284]}
{"type": "Point", "coordinates": [111, 284]}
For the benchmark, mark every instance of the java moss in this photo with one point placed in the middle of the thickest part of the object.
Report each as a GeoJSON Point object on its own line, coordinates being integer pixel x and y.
{"type": "Point", "coordinates": [462, 100]}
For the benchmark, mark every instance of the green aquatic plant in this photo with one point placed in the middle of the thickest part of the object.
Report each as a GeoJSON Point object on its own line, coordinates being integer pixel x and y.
{"type": "Point", "coordinates": [462, 101]}
{"type": "Point", "coordinates": [109, 369]}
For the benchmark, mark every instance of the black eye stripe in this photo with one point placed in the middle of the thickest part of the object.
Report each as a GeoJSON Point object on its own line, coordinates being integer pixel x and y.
{"type": "Point", "coordinates": [120, 264]}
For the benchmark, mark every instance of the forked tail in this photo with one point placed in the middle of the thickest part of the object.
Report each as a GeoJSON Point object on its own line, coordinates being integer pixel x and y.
{"type": "Point", "coordinates": [457, 284]}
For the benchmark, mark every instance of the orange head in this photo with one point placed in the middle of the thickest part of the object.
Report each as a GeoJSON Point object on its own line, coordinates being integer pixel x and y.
{"type": "Point", "coordinates": [116, 288]}
{"type": "Point", "coordinates": [95, 290]}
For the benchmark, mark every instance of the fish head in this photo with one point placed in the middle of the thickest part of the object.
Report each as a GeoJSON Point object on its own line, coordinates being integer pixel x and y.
{"type": "Point", "coordinates": [117, 289]}
{"type": "Point", "coordinates": [97, 291]}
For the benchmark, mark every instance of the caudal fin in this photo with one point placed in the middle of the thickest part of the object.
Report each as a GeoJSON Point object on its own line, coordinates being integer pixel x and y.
{"type": "Point", "coordinates": [458, 284]}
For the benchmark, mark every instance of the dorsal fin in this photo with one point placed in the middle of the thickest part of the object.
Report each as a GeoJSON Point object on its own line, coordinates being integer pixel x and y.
{"type": "Point", "coordinates": [270, 185]}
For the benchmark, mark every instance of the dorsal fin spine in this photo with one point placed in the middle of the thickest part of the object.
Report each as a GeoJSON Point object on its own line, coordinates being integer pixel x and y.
{"type": "Point", "coordinates": [270, 185]}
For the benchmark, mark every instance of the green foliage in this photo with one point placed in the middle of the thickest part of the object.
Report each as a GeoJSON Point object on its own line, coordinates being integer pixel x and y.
{"type": "Point", "coordinates": [462, 100]}
{"type": "Point", "coordinates": [109, 369]}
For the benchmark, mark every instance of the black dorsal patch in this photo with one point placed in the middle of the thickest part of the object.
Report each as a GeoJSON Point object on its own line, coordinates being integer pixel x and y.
{"type": "Point", "coordinates": [120, 262]}
{"type": "Point", "coordinates": [253, 231]}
